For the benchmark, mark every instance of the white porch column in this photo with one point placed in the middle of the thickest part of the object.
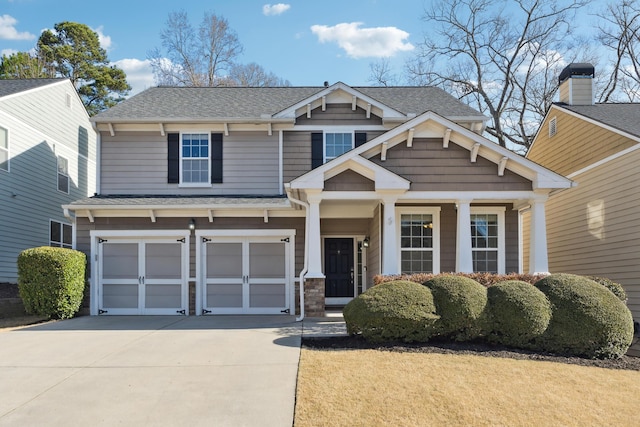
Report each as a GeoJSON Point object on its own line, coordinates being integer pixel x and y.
{"type": "Point", "coordinates": [390, 237]}
{"type": "Point", "coordinates": [464, 255]}
{"type": "Point", "coordinates": [538, 257]}
{"type": "Point", "coordinates": [315, 246]}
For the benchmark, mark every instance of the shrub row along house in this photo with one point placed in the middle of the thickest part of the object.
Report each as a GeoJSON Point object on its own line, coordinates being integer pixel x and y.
{"type": "Point", "coordinates": [224, 200]}
{"type": "Point", "coordinates": [593, 229]}
{"type": "Point", "coordinates": [47, 158]}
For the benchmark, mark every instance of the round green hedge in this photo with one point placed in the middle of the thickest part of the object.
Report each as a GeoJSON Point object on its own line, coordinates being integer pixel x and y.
{"type": "Point", "coordinates": [614, 287]}
{"type": "Point", "coordinates": [587, 319]}
{"type": "Point", "coordinates": [517, 313]}
{"type": "Point", "coordinates": [460, 303]}
{"type": "Point", "coordinates": [392, 311]}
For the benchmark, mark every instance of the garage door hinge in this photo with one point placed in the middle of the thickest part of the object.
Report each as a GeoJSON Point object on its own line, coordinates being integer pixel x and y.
{"type": "Point", "coordinates": [205, 311]}
{"type": "Point", "coordinates": [285, 311]}
{"type": "Point", "coordinates": [205, 240]}
{"type": "Point", "coordinates": [102, 240]}
{"type": "Point", "coordinates": [183, 312]}
{"type": "Point", "coordinates": [286, 239]}
{"type": "Point", "coordinates": [102, 311]}
{"type": "Point", "coordinates": [181, 240]}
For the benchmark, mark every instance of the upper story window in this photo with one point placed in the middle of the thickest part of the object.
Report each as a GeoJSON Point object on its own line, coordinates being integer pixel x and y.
{"type": "Point", "coordinates": [61, 235]}
{"type": "Point", "coordinates": [63, 174]}
{"type": "Point", "coordinates": [336, 144]}
{"type": "Point", "coordinates": [4, 149]}
{"type": "Point", "coordinates": [195, 158]}
{"type": "Point", "coordinates": [487, 241]}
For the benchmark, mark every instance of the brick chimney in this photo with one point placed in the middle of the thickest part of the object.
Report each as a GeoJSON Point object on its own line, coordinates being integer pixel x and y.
{"type": "Point", "coordinates": [576, 84]}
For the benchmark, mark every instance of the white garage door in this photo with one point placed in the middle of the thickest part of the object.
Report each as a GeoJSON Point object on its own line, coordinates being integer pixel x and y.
{"type": "Point", "coordinates": [142, 276]}
{"type": "Point", "coordinates": [246, 275]}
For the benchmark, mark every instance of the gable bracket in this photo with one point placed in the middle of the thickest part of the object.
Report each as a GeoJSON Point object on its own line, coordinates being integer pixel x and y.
{"type": "Point", "coordinates": [90, 216]}
{"type": "Point", "coordinates": [354, 103]}
{"type": "Point", "coordinates": [445, 139]}
{"type": "Point", "coordinates": [112, 131]}
{"type": "Point", "coordinates": [210, 215]}
{"type": "Point", "coordinates": [152, 214]}
{"type": "Point", "coordinates": [269, 129]}
{"type": "Point", "coordinates": [266, 216]}
{"type": "Point", "coordinates": [368, 111]}
{"type": "Point", "coordinates": [410, 138]}
{"type": "Point", "coordinates": [502, 165]}
{"type": "Point", "coordinates": [226, 129]}
{"type": "Point", "coordinates": [161, 129]}
{"type": "Point", "coordinates": [309, 111]}
{"type": "Point", "coordinates": [474, 152]}
{"type": "Point", "coordinates": [324, 103]}
{"type": "Point", "coordinates": [383, 154]}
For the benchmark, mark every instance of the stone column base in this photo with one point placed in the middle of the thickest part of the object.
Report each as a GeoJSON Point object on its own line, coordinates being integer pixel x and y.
{"type": "Point", "coordinates": [314, 297]}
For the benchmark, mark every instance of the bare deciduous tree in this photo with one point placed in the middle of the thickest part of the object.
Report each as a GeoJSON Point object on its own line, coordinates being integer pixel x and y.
{"type": "Point", "coordinates": [193, 57]}
{"type": "Point", "coordinates": [382, 73]}
{"type": "Point", "coordinates": [254, 75]}
{"type": "Point", "coordinates": [619, 33]}
{"type": "Point", "coordinates": [501, 57]}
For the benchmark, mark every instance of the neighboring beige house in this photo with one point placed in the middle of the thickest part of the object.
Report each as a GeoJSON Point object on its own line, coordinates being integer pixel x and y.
{"type": "Point", "coordinates": [47, 159]}
{"type": "Point", "coordinates": [229, 200]}
{"type": "Point", "coordinates": [593, 229]}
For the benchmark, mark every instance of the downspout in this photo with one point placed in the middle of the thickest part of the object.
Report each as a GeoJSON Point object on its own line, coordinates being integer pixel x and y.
{"type": "Point", "coordinates": [305, 266]}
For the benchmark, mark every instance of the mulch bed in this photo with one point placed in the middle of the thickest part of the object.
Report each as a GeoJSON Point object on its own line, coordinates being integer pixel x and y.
{"type": "Point", "coordinates": [467, 348]}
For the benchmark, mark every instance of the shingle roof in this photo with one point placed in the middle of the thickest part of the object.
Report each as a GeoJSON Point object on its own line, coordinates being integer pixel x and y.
{"type": "Point", "coordinates": [9, 87]}
{"type": "Point", "coordinates": [624, 117]}
{"type": "Point", "coordinates": [201, 103]}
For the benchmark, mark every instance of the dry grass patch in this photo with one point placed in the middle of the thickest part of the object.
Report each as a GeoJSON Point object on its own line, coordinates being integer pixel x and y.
{"type": "Point", "coordinates": [371, 387]}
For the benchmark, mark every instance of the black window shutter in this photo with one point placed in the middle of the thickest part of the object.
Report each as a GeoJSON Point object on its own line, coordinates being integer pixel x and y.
{"type": "Point", "coordinates": [173, 167]}
{"type": "Point", "coordinates": [317, 149]}
{"type": "Point", "coordinates": [216, 158]}
{"type": "Point", "coordinates": [361, 138]}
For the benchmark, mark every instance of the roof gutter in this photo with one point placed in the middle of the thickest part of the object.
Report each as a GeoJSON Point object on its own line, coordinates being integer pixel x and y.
{"type": "Point", "coordinates": [305, 267]}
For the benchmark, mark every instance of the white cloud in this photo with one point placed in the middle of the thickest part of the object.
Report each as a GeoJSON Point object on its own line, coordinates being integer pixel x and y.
{"type": "Point", "coordinates": [379, 42]}
{"type": "Point", "coordinates": [7, 52]}
{"type": "Point", "coordinates": [139, 73]}
{"type": "Point", "coordinates": [105, 41]}
{"type": "Point", "coordinates": [8, 29]}
{"type": "Point", "coordinates": [275, 9]}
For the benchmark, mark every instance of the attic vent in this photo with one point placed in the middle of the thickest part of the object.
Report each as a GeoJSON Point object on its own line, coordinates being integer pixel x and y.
{"type": "Point", "coordinates": [68, 99]}
{"type": "Point", "coordinates": [552, 127]}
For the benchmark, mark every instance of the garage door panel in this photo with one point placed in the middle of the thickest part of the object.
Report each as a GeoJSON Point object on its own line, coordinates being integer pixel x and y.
{"type": "Point", "coordinates": [267, 295]}
{"type": "Point", "coordinates": [224, 295]}
{"type": "Point", "coordinates": [224, 260]}
{"type": "Point", "coordinates": [163, 261]}
{"type": "Point", "coordinates": [267, 260]}
{"type": "Point", "coordinates": [163, 296]}
{"type": "Point", "coordinates": [119, 295]}
{"type": "Point", "coordinates": [119, 260]}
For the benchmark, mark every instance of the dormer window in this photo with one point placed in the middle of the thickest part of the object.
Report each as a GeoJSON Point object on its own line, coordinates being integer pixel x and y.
{"type": "Point", "coordinates": [336, 144]}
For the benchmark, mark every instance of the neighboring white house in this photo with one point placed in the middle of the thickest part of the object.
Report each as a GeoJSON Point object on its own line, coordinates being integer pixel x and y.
{"type": "Point", "coordinates": [47, 159]}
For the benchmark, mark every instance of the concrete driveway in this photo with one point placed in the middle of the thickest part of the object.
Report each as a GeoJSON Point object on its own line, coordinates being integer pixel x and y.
{"type": "Point", "coordinates": [135, 371]}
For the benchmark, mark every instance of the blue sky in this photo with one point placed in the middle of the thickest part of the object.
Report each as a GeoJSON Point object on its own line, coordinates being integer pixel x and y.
{"type": "Point", "coordinates": [304, 41]}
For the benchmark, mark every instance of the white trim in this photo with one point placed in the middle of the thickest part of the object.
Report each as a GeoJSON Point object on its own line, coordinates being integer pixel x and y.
{"type": "Point", "coordinates": [62, 224]}
{"type": "Point", "coordinates": [434, 211]}
{"type": "Point", "coordinates": [338, 128]}
{"type": "Point", "coordinates": [324, 143]}
{"type": "Point", "coordinates": [58, 157]}
{"type": "Point", "coordinates": [35, 89]}
{"type": "Point", "coordinates": [8, 149]}
{"type": "Point", "coordinates": [500, 212]}
{"type": "Point", "coordinates": [281, 162]}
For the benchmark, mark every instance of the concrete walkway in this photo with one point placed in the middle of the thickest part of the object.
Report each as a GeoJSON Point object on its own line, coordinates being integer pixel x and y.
{"type": "Point", "coordinates": [160, 371]}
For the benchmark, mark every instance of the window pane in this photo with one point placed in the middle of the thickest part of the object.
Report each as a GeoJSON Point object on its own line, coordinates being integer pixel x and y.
{"type": "Point", "coordinates": [416, 262]}
{"type": "Point", "coordinates": [337, 144]}
{"type": "Point", "coordinates": [419, 228]}
{"type": "Point", "coordinates": [485, 261]}
{"type": "Point", "coordinates": [55, 232]}
{"type": "Point", "coordinates": [4, 140]}
{"type": "Point", "coordinates": [4, 159]}
{"type": "Point", "coordinates": [484, 241]}
{"type": "Point", "coordinates": [63, 165]}
{"type": "Point", "coordinates": [67, 235]}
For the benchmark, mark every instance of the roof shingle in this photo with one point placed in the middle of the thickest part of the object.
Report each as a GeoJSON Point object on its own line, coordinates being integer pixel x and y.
{"type": "Point", "coordinates": [624, 117]}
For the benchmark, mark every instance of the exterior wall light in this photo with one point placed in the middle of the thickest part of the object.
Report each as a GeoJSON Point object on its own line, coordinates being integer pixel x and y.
{"type": "Point", "coordinates": [365, 242]}
{"type": "Point", "coordinates": [192, 224]}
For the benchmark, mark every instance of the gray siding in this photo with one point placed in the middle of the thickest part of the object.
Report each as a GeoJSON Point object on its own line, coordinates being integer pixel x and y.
{"type": "Point", "coordinates": [33, 169]}
{"type": "Point", "coordinates": [349, 181]}
{"type": "Point", "coordinates": [136, 163]}
{"type": "Point", "coordinates": [430, 167]}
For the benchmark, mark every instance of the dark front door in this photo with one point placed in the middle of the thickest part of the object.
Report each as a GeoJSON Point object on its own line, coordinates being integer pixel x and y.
{"type": "Point", "coordinates": [338, 268]}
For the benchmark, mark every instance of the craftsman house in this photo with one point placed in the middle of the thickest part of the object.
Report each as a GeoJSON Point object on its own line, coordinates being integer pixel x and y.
{"type": "Point", "coordinates": [229, 200]}
{"type": "Point", "coordinates": [47, 158]}
{"type": "Point", "coordinates": [593, 229]}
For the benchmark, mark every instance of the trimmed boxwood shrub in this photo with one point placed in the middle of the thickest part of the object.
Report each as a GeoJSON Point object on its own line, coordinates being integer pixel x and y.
{"type": "Point", "coordinates": [51, 281]}
{"type": "Point", "coordinates": [460, 303]}
{"type": "Point", "coordinates": [614, 287]}
{"type": "Point", "coordinates": [393, 311]}
{"type": "Point", "coordinates": [587, 319]}
{"type": "Point", "coordinates": [517, 313]}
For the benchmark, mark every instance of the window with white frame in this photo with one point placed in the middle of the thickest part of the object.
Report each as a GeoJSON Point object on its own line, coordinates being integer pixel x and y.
{"type": "Point", "coordinates": [195, 158]}
{"type": "Point", "coordinates": [487, 240]}
{"type": "Point", "coordinates": [336, 144]}
{"type": "Point", "coordinates": [61, 234]}
{"type": "Point", "coordinates": [419, 244]}
{"type": "Point", "coordinates": [63, 174]}
{"type": "Point", "coordinates": [4, 149]}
